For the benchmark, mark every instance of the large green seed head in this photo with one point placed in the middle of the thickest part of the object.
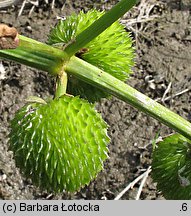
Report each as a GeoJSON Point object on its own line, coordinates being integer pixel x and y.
{"type": "Point", "coordinates": [111, 51]}
{"type": "Point", "coordinates": [60, 145]}
{"type": "Point", "coordinates": [171, 167]}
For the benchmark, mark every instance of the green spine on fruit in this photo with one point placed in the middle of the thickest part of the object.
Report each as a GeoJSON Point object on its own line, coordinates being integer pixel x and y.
{"type": "Point", "coordinates": [111, 51]}
{"type": "Point", "coordinates": [60, 145]}
{"type": "Point", "coordinates": [171, 167]}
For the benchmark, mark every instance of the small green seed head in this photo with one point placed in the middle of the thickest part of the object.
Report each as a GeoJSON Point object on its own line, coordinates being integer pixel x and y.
{"type": "Point", "coordinates": [111, 51]}
{"type": "Point", "coordinates": [171, 167]}
{"type": "Point", "coordinates": [60, 145]}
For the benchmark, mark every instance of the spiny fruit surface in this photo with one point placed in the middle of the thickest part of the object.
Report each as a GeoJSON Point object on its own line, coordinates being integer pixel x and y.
{"type": "Point", "coordinates": [171, 167]}
{"type": "Point", "coordinates": [111, 51]}
{"type": "Point", "coordinates": [60, 145]}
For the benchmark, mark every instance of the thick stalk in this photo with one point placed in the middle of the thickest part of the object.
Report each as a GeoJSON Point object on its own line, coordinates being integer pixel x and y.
{"type": "Point", "coordinates": [99, 26]}
{"type": "Point", "coordinates": [36, 54]}
{"type": "Point", "coordinates": [47, 58]}
{"type": "Point", "coordinates": [102, 80]}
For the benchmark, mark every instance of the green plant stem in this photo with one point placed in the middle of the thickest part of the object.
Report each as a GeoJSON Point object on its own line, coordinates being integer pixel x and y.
{"type": "Point", "coordinates": [102, 80]}
{"type": "Point", "coordinates": [36, 54]}
{"type": "Point", "coordinates": [99, 26]}
{"type": "Point", "coordinates": [61, 84]}
{"type": "Point", "coordinates": [52, 60]}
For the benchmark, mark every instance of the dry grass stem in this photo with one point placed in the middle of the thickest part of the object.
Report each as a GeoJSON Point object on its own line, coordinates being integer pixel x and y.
{"type": "Point", "coordinates": [131, 185]}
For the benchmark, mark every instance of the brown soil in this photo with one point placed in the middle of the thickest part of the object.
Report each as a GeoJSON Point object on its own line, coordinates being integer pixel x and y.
{"type": "Point", "coordinates": [163, 57]}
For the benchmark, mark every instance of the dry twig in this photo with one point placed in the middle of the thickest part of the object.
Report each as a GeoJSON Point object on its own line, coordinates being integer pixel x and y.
{"type": "Point", "coordinates": [166, 92]}
{"type": "Point", "coordinates": [2, 71]}
{"type": "Point", "coordinates": [143, 182]}
{"type": "Point", "coordinates": [8, 3]}
{"type": "Point", "coordinates": [131, 185]}
{"type": "Point", "coordinates": [141, 14]}
{"type": "Point", "coordinates": [173, 96]}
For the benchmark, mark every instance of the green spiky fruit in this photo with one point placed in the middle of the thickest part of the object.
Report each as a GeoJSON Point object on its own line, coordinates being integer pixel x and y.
{"type": "Point", "coordinates": [60, 145]}
{"type": "Point", "coordinates": [111, 51]}
{"type": "Point", "coordinates": [171, 167]}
